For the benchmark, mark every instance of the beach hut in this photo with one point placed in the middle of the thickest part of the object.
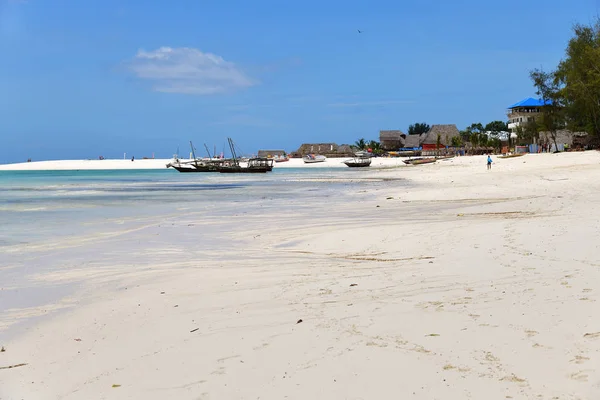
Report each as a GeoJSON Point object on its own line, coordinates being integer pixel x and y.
{"type": "Point", "coordinates": [445, 133]}
{"type": "Point", "coordinates": [326, 149]}
{"type": "Point", "coordinates": [391, 139]}
{"type": "Point", "coordinates": [271, 153]}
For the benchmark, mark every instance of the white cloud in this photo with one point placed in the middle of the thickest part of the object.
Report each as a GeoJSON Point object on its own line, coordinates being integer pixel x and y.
{"type": "Point", "coordinates": [188, 70]}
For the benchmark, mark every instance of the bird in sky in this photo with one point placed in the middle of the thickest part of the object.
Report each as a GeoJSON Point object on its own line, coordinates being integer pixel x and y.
{"type": "Point", "coordinates": [359, 31]}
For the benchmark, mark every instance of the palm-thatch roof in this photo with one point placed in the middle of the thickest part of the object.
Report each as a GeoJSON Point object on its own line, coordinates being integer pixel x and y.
{"type": "Point", "coordinates": [445, 132]}
{"type": "Point", "coordinates": [412, 141]}
{"type": "Point", "coordinates": [326, 149]}
{"type": "Point", "coordinates": [391, 139]}
{"type": "Point", "coordinates": [268, 153]}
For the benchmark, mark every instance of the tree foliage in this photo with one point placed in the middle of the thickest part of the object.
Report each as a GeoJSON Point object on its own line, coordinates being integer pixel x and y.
{"type": "Point", "coordinates": [456, 141]}
{"type": "Point", "coordinates": [550, 91]}
{"type": "Point", "coordinates": [361, 144]}
{"type": "Point", "coordinates": [496, 127]}
{"type": "Point", "coordinates": [418, 128]}
{"type": "Point", "coordinates": [578, 76]}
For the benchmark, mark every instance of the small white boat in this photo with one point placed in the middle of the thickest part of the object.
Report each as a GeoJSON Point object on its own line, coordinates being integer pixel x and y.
{"type": "Point", "coordinates": [313, 158]}
{"type": "Point", "coordinates": [358, 162]}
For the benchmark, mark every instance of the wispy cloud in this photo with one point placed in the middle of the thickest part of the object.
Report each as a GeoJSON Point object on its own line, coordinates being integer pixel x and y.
{"type": "Point", "coordinates": [188, 70]}
{"type": "Point", "coordinates": [370, 103]}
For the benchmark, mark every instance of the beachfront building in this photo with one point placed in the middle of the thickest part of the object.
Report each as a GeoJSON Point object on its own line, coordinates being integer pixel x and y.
{"type": "Point", "coordinates": [326, 149]}
{"type": "Point", "coordinates": [523, 112]}
{"type": "Point", "coordinates": [438, 133]}
{"type": "Point", "coordinates": [391, 139]}
{"type": "Point", "coordinates": [529, 111]}
{"type": "Point", "coordinates": [271, 153]}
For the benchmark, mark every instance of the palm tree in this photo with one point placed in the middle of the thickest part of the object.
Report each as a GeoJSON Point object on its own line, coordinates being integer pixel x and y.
{"type": "Point", "coordinates": [375, 147]}
{"type": "Point", "coordinates": [361, 144]}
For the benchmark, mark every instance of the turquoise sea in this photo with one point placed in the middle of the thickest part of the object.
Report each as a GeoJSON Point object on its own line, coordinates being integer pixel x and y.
{"type": "Point", "coordinates": [34, 204]}
{"type": "Point", "coordinates": [53, 221]}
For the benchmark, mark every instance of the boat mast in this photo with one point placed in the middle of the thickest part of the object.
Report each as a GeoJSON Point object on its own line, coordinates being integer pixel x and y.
{"type": "Point", "coordinates": [208, 151]}
{"type": "Point", "coordinates": [194, 154]}
{"type": "Point", "coordinates": [231, 147]}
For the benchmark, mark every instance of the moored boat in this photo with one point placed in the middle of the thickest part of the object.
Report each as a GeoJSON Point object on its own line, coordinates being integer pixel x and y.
{"type": "Point", "coordinates": [419, 161]}
{"type": "Point", "coordinates": [512, 155]}
{"type": "Point", "coordinates": [358, 162]}
{"type": "Point", "coordinates": [254, 165]}
{"type": "Point", "coordinates": [313, 158]}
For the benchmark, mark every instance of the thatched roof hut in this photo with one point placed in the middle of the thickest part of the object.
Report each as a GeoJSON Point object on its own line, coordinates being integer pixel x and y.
{"type": "Point", "coordinates": [412, 141]}
{"type": "Point", "coordinates": [391, 139]}
{"type": "Point", "coordinates": [271, 153]}
{"type": "Point", "coordinates": [327, 149]}
{"type": "Point", "coordinates": [445, 133]}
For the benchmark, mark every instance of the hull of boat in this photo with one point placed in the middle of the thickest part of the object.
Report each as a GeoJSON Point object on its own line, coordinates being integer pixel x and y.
{"type": "Point", "coordinates": [513, 155]}
{"type": "Point", "coordinates": [358, 164]}
{"type": "Point", "coordinates": [421, 161]}
{"type": "Point", "coordinates": [243, 170]}
{"type": "Point", "coordinates": [195, 169]}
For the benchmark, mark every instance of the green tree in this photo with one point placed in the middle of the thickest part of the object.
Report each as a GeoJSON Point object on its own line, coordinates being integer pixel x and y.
{"type": "Point", "coordinates": [528, 134]}
{"type": "Point", "coordinates": [578, 75]}
{"type": "Point", "coordinates": [456, 141]}
{"type": "Point", "coordinates": [361, 144]}
{"type": "Point", "coordinates": [483, 139]}
{"type": "Point", "coordinates": [476, 128]}
{"type": "Point", "coordinates": [474, 138]}
{"type": "Point", "coordinates": [553, 113]}
{"type": "Point", "coordinates": [465, 135]}
{"type": "Point", "coordinates": [418, 128]}
{"type": "Point", "coordinates": [496, 127]}
{"type": "Point", "coordinates": [375, 147]}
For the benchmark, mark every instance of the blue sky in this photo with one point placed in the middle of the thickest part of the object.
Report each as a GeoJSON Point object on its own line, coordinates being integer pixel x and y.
{"type": "Point", "coordinates": [79, 79]}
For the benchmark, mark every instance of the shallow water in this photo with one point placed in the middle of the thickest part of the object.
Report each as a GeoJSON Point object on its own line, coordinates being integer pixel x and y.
{"type": "Point", "coordinates": [55, 221]}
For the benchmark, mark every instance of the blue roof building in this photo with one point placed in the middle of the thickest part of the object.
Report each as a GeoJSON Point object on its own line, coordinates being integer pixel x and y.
{"type": "Point", "coordinates": [523, 112]}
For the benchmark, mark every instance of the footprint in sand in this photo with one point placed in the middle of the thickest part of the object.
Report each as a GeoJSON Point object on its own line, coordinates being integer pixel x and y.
{"type": "Point", "coordinates": [580, 376]}
{"type": "Point", "coordinates": [531, 333]}
{"type": "Point", "coordinates": [594, 335]}
{"type": "Point", "coordinates": [513, 378]}
{"type": "Point", "coordinates": [580, 359]}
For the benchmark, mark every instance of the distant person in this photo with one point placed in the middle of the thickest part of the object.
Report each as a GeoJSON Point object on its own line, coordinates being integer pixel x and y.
{"type": "Point", "coordinates": [489, 162]}
{"type": "Point", "coordinates": [132, 158]}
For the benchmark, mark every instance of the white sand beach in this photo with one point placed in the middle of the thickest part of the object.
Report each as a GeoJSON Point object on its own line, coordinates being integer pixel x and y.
{"type": "Point", "coordinates": [82, 165]}
{"type": "Point", "coordinates": [463, 284]}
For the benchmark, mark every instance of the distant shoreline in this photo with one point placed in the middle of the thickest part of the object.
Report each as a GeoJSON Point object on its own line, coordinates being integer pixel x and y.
{"type": "Point", "coordinates": [157, 164]}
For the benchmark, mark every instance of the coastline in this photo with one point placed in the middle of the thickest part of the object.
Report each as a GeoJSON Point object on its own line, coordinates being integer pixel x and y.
{"type": "Point", "coordinates": [463, 284]}
{"type": "Point", "coordinates": [157, 164]}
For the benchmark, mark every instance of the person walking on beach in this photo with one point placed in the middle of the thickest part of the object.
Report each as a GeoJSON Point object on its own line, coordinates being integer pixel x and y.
{"type": "Point", "coordinates": [489, 162]}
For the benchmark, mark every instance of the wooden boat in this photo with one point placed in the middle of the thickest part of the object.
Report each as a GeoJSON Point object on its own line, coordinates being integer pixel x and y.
{"type": "Point", "coordinates": [313, 158]}
{"type": "Point", "coordinates": [197, 164]}
{"type": "Point", "coordinates": [254, 165]}
{"type": "Point", "coordinates": [419, 161]}
{"type": "Point", "coordinates": [281, 158]}
{"type": "Point", "coordinates": [512, 155]}
{"type": "Point", "coordinates": [358, 162]}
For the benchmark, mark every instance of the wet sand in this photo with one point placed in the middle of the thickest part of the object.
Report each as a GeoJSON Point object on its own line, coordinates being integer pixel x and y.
{"type": "Point", "coordinates": [466, 284]}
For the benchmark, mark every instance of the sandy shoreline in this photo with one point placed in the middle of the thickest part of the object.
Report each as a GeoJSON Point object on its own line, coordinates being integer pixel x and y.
{"type": "Point", "coordinates": [469, 284]}
{"type": "Point", "coordinates": [151, 164]}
